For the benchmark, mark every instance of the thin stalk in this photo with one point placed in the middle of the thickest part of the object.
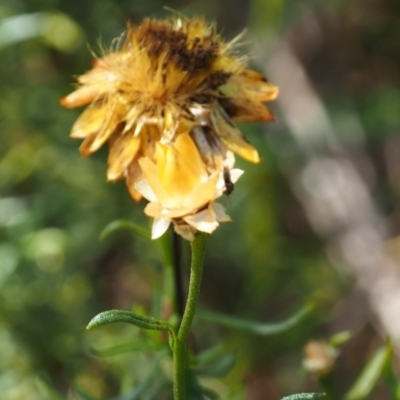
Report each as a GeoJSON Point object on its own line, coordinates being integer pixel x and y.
{"type": "Point", "coordinates": [177, 254]}
{"type": "Point", "coordinates": [168, 294]}
{"type": "Point", "coordinates": [180, 344]}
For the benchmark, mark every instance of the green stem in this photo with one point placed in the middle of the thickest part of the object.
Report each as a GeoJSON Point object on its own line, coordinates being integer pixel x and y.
{"type": "Point", "coordinates": [167, 300]}
{"type": "Point", "coordinates": [180, 343]}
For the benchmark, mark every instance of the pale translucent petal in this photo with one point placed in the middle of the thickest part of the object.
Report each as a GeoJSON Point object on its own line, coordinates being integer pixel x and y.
{"type": "Point", "coordinates": [186, 231]}
{"type": "Point", "coordinates": [159, 227]}
{"type": "Point", "coordinates": [220, 187]}
{"type": "Point", "coordinates": [235, 174]}
{"type": "Point", "coordinates": [156, 210]}
{"type": "Point", "coordinates": [229, 161]}
{"type": "Point", "coordinates": [200, 113]}
{"type": "Point", "coordinates": [204, 221]}
{"type": "Point", "coordinates": [220, 213]}
{"type": "Point", "coordinates": [145, 190]}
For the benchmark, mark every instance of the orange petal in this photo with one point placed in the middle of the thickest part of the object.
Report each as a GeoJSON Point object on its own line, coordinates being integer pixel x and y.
{"type": "Point", "coordinates": [201, 194]}
{"type": "Point", "coordinates": [160, 156]}
{"type": "Point", "coordinates": [90, 121]}
{"type": "Point", "coordinates": [84, 148]}
{"type": "Point", "coordinates": [133, 175]}
{"type": "Point", "coordinates": [232, 137]}
{"type": "Point", "coordinates": [122, 153]}
{"type": "Point", "coordinates": [188, 150]}
{"type": "Point", "coordinates": [250, 84]}
{"type": "Point", "coordinates": [179, 177]}
{"type": "Point", "coordinates": [95, 84]}
{"type": "Point", "coordinates": [82, 96]}
{"type": "Point", "coordinates": [134, 193]}
{"type": "Point", "coordinates": [150, 173]}
{"type": "Point", "coordinates": [244, 109]}
{"type": "Point", "coordinates": [110, 123]}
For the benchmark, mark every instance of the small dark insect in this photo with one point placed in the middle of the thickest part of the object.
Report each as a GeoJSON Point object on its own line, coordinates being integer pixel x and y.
{"type": "Point", "coordinates": [229, 186]}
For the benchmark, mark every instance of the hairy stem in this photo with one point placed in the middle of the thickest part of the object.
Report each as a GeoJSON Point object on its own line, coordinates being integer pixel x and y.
{"type": "Point", "coordinates": [180, 344]}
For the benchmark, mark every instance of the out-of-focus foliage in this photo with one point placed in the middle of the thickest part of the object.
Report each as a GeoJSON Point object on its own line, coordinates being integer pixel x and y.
{"type": "Point", "coordinates": [55, 272]}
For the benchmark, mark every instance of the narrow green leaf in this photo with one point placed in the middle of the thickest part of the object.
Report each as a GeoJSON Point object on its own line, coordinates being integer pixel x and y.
{"type": "Point", "coordinates": [128, 317]}
{"type": "Point", "coordinates": [340, 338]}
{"type": "Point", "coordinates": [123, 224]}
{"type": "Point", "coordinates": [209, 355]}
{"type": "Point", "coordinates": [262, 329]}
{"type": "Point", "coordinates": [220, 368]}
{"type": "Point", "coordinates": [371, 373]}
{"type": "Point", "coordinates": [210, 394]}
{"type": "Point", "coordinates": [158, 391]}
{"type": "Point", "coordinates": [82, 395]}
{"type": "Point", "coordinates": [392, 381]}
{"type": "Point", "coordinates": [304, 396]}
{"type": "Point", "coordinates": [147, 382]}
{"type": "Point", "coordinates": [123, 348]}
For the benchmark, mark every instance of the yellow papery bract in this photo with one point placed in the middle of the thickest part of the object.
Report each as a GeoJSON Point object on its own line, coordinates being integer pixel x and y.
{"type": "Point", "coordinates": [233, 138]}
{"type": "Point", "coordinates": [250, 84]}
{"type": "Point", "coordinates": [247, 110]}
{"type": "Point", "coordinates": [178, 177]}
{"type": "Point", "coordinates": [178, 183]}
{"type": "Point", "coordinates": [182, 192]}
{"type": "Point", "coordinates": [189, 152]}
{"type": "Point", "coordinates": [150, 172]}
{"type": "Point", "coordinates": [122, 152]}
{"type": "Point", "coordinates": [89, 122]}
{"type": "Point", "coordinates": [202, 193]}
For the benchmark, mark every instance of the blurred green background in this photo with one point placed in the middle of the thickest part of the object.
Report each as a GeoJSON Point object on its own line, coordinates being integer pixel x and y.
{"type": "Point", "coordinates": [338, 66]}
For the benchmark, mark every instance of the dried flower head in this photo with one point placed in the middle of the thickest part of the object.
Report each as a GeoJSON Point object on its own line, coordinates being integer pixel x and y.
{"type": "Point", "coordinates": [320, 357]}
{"type": "Point", "coordinates": [165, 100]}
{"type": "Point", "coordinates": [165, 79]}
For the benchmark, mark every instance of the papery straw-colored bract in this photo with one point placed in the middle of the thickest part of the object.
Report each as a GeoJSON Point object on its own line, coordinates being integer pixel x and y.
{"type": "Point", "coordinates": [180, 189]}
{"type": "Point", "coordinates": [166, 79]}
